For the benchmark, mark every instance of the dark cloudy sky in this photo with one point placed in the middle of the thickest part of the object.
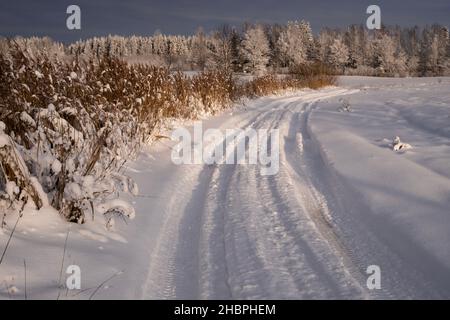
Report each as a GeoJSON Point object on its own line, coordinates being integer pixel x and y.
{"type": "Point", "coordinates": [144, 17]}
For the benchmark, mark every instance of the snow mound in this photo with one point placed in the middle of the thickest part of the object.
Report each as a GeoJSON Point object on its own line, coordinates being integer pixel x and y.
{"type": "Point", "coordinates": [397, 145]}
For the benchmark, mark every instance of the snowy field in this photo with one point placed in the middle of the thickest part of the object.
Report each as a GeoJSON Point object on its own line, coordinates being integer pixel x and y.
{"type": "Point", "coordinates": [342, 200]}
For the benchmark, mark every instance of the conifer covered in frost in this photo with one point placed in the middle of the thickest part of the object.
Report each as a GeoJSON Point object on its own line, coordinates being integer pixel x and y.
{"type": "Point", "coordinates": [388, 57]}
{"type": "Point", "coordinates": [295, 42]}
{"type": "Point", "coordinates": [338, 54]}
{"type": "Point", "coordinates": [434, 52]}
{"type": "Point", "coordinates": [255, 50]}
{"type": "Point", "coordinates": [199, 54]}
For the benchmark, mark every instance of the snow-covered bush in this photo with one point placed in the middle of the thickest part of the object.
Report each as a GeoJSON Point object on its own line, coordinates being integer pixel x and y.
{"type": "Point", "coordinates": [66, 133]}
{"type": "Point", "coordinates": [213, 90]}
{"type": "Point", "coordinates": [398, 145]}
{"type": "Point", "coordinates": [314, 75]}
{"type": "Point", "coordinates": [345, 105]}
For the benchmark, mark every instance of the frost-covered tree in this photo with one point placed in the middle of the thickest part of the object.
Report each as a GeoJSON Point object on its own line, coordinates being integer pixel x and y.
{"type": "Point", "coordinates": [410, 42]}
{"type": "Point", "coordinates": [199, 52]}
{"type": "Point", "coordinates": [255, 50]}
{"type": "Point", "coordinates": [295, 42]}
{"type": "Point", "coordinates": [388, 57]}
{"type": "Point", "coordinates": [323, 42]}
{"type": "Point", "coordinates": [273, 34]}
{"type": "Point", "coordinates": [338, 55]}
{"type": "Point", "coordinates": [356, 38]}
{"type": "Point", "coordinates": [222, 50]}
{"type": "Point", "coordinates": [433, 59]}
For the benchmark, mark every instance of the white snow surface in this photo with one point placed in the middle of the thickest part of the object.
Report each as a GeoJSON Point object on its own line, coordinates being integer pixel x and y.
{"type": "Point", "coordinates": [342, 200]}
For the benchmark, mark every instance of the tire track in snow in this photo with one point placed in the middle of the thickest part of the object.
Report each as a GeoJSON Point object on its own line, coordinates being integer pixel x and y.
{"type": "Point", "coordinates": [240, 235]}
{"type": "Point", "coordinates": [259, 254]}
{"type": "Point", "coordinates": [215, 284]}
{"type": "Point", "coordinates": [300, 262]}
{"type": "Point", "coordinates": [174, 264]}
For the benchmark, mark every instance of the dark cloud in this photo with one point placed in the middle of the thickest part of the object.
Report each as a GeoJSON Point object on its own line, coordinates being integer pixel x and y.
{"type": "Point", "coordinates": [103, 17]}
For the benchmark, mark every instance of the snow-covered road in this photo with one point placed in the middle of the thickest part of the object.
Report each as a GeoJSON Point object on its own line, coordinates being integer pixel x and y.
{"type": "Point", "coordinates": [341, 201]}
{"type": "Point", "coordinates": [229, 232]}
